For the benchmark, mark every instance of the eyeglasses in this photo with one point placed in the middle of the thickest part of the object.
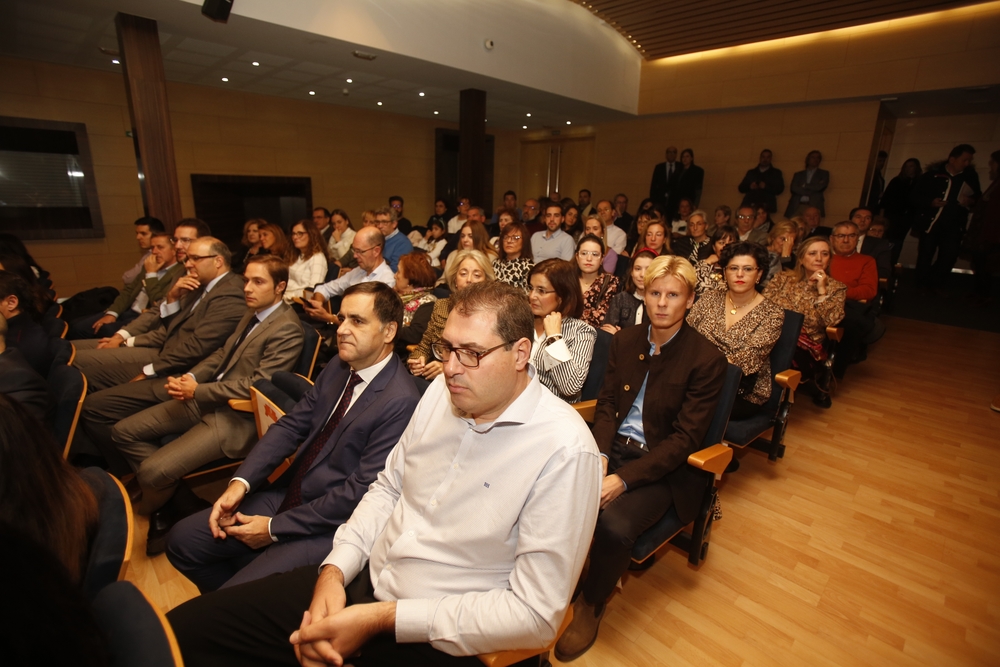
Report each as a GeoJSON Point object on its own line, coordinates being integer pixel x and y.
{"type": "Point", "coordinates": [383, 222]}
{"type": "Point", "coordinates": [589, 253]}
{"type": "Point", "coordinates": [466, 357]}
{"type": "Point", "coordinates": [844, 236]}
{"type": "Point", "coordinates": [733, 268]}
{"type": "Point", "coordinates": [298, 234]}
{"type": "Point", "coordinates": [396, 205]}
{"type": "Point", "coordinates": [197, 258]}
{"type": "Point", "coordinates": [357, 251]}
{"type": "Point", "coordinates": [744, 217]}
{"type": "Point", "coordinates": [512, 237]}
{"type": "Point", "coordinates": [540, 291]}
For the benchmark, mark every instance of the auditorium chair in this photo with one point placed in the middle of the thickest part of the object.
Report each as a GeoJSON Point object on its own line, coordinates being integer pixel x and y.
{"type": "Point", "coordinates": [598, 364]}
{"type": "Point", "coordinates": [310, 351]}
{"type": "Point", "coordinates": [526, 657]}
{"type": "Point", "coordinates": [61, 351]}
{"type": "Point", "coordinates": [68, 388]}
{"type": "Point", "coordinates": [111, 546]}
{"type": "Point", "coordinates": [137, 632]}
{"type": "Point", "coordinates": [773, 415]}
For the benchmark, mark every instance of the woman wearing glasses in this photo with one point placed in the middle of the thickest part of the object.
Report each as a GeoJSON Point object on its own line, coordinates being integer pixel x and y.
{"type": "Point", "coordinates": [596, 284]}
{"type": "Point", "coordinates": [307, 262]}
{"type": "Point", "coordinates": [563, 342]}
{"type": "Point", "coordinates": [515, 261]}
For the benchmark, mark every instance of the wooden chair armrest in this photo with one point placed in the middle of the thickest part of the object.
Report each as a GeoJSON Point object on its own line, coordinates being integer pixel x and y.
{"type": "Point", "coordinates": [789, 379]}
{"type": "Point", "coordinates": [713, 459]}
{"type": "Point", "coordinates": [835, 333]}
{"type": "Point", "coordinates": [883, 283]}
{"type": "Point", "coordinates": [506, 658]}
{"type": "Point", "coordinates": [412, 348]}
{"type": "Point", "coordinates": [586, 409]}
{"type": "Point", "coordinates": [241, 404]}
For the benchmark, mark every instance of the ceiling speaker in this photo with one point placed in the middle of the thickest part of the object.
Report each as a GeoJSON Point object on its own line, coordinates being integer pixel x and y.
{"type": "Point", "coordinates": [217, 10]}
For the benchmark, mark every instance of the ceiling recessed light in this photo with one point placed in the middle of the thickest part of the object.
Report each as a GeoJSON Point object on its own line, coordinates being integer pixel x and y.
{"type": "Point", "coordinates": [421, 94]}
{"type": "Point", "coordinates": [569, 122]}
{"type": "Point", "coordinates": [225, 78]}
{"type": "Point", "coordinates": [524, 127]}
{"type": "Point", "coordinates": [350, 81]}
{"type": "Point", "coordinates": [436, 113]}
{"type": "Point", "coordinates": [116, 62]}
{"type": "Point", "coordinates": [528, 115]}
{"type": "Point", "coordinates": [255, 64]}
{"type": "Point", "coordinates": [312, 92]}
{"type": "Point", "coordinates": [379, 103]}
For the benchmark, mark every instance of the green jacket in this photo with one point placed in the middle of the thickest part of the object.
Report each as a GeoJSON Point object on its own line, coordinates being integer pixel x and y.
{"type": "Point", "coordinates": [156, 289]}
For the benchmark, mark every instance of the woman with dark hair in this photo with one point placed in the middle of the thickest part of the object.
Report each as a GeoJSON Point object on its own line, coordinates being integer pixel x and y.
{"type": "Point", "coordinates": [678, 225]}
{"type": "Point", "coordinates": [272, 240]}
{"type": "Point", "coordinates": [307, 259]}
{"type": "Point", "coordinates": [597, 285]}
{"type": "Point", "coordinates": [442, 213]}
{"type": "Point", "coordinates": [434, 241]}
{"type": "Point", "coordinates": [895, 204]}
{"type": "Point", "coordinates": [982, 242]}
{"type": "Point", "coordinates": [42, 496]}
{"type": "Point", "coordinates": [627, 307]}
{"type": "Point", "coordinates": [515, 260]}
{"type": "Point", "coordinates": [595, 226]}
{"type": "Point", "coordinates": [10, 244]}
{"type": "Point", "coordinates": [742, 323]}
{"type": "Point", "coordinates": [41, 298]}
{"type": "Point", "coordinates": [572, 224]}
{"type": "Point", "coordinates": [564, 344]}
{"type": "Point", "coordinates": [762, 218]}
{"type": "Point", "coordinates": [710, 273]}
{"type": "Point", "coordinates": [339, 245]}
{"type": "Point", "coordinates": [689, 181]}
{"type": "Point", "coordinates": [414, 281]}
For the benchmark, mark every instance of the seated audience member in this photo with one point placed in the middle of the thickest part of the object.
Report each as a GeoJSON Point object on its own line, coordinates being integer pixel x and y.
{"type": "Point", "coordinates": [572, 221]}
{"type": "Point", "coordinates": [24, 333]}
{"type": "Point", "coordinates": [627, 307]}
{"type": "Point", "coordinates": [461, 215]}
{"type": "Point", "coordinates": [250, 241]}
{"type": "Point", "coordinates": [396, 244]}
{"type": "Point", "coordinates": [653, 412]}
{"type": "Point", "coordinates": [563, 343]}
{"type": "Point", "coordinates": [597, 285]}
{"type": "Point", "coordinates": [321, 219]}
{"type": "Point", "coordinates": [12, 245]}
{"type": "Point", "coordinates": [710, 273]}
{"type": "Point", "coordinates": [780, 249]}
{"type": "Point", "coordinates": [307, 261]}
{"type": "Point", "coordinates": [813, 217]}
{"type": "Point", "coordinates": [552, 242]}
{"type": "Point", "coordinates": [637, 236]}
{"type": "Point", "coordinates": [721, 218]}
{"type": "Point", "coordinates": [338, 248]}
{"type": "Point", "coordinates": [745, 217]}
{"type": "Point", "coordinates": [21, 382]}
{"type": "Point", "coordinates": [872, 246]}
{"type": "Point", "coordinates": [697, 245]}
{"type": "Point", "coordinates": [504, 217]}
{"type": "Point", "coordinates": [469, 267]}
{"type": "Point", "coordinates": [273, 241]}
{"type": "Point", "coordinates": [145, 227]}
{"type": "Point", "coordinates": [194, 406]}
{"type": "Point", "coordinates": [434, 241]}
{"type": "Point", "coordinates": [623, 219]}
{"type": "Point", "coordinates": [402, 222]}
{"type": "Point", "coordinates": [199, 313]}
{"type": "Point", "coordinates": [367, 249]}
{"type": "Point", "coordinates": [809, 290]}
{"type": "Point", "coordinates": [473, 236]}
{"type": "Point", "coordinates": [595, 226]}
{"type": "Point", "coordinates": [514, 260]}
{"type": "Point", "coordinates": [658, 238]}
{"type": "Point", "coordinates": [860, 274]}
{"type": "Point", "coordinates": [678, 226]}
{"type": "Point", "coordinates": [414, 281]}
{"type": "Point", "coordinates": [339, 434]}
{"type": "Point", "coordinates": [878, 228]}
{"type": "Point", "coordinates": [442, 213]}
{"type": "Point", "coordinates": [441, 584]}
{"type": "Point", "coordinates": [509, 204]}
{"type": "Point", "coordinates": [41, 298]}
{"type": "Point", "coordinates": [742, 323]}
{"type": "Point", "coordinates": [762, 218]}
{"type": "Point", "coordinates": [614, 238]}
{"type": "Point", "coordinates": [41, 496]}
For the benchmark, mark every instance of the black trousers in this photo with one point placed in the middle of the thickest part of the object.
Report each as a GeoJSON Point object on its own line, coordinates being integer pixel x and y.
{"type": "Point", "coordinates": [619, 524]}
{"type": "Point", "coordinates": [858, 323]}
{"type": "Point", "coordinates": [249, 625]}
{"type": "Point", "coordinates": [984, 258]}
{"type": "Point", "coordinates": [945, 239]}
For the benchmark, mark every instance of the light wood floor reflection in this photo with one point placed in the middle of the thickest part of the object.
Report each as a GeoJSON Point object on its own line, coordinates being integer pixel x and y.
{"type": "Point", "coordinates": [875, 541]}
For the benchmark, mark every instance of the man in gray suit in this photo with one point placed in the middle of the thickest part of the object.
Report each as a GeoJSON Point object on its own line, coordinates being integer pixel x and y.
{"type": "Point", "coordinates": [807, 187]}
{"type": "Point", "coordinates": [195, 406]}
{"type": "Point", "coordinates": [200, 312]}
{"type": "Point", "coordinates": [339, 433]}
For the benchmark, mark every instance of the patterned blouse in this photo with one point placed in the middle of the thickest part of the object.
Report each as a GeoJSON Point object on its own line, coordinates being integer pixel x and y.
{"type": "Point", "coordinates": [513, 271]}
{"type": "Point", "coordinates": [623, 309]}
{"type": "Point", "coordinates": [563, 365]}
{"type": "Point", "coordinates": [439, 316]}
{"type": "Point", "coordinates": [801, 296]}
{"type": "Point", "coordinates": [411, 302]}
{"type": "Point", "coordinates": [710, 278]}
{"type": "Point", "coordinates": [597, 299]}
{"type": "Point", "coordinates": [746, 344]}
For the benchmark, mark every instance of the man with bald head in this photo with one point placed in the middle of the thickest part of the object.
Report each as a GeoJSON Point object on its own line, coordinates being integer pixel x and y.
{"type": "Point", "coordinates": [367, 248]}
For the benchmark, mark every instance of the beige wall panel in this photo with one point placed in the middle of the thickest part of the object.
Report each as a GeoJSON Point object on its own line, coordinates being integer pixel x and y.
{"type": "Point", "coordinates": [196, 128]}
{"type": "Point", "coordinates": [63, 83]}
{"type": "Point", "coordinates": [928, 40]}
{"type": "Point", "coordinates": [18, 80]}
{"type": "Point", "coordinates": [955, 70]}
{"type": "Point", "coordinates": [895, 76]}
{"type": "Point", "coordinates": [114, 151]}
{"type": "Point", "coordinates": [825, 52]}
{"type": "Point", "coordinates": [850, 145]}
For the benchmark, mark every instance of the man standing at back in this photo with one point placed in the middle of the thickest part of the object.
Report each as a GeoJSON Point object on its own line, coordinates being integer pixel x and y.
{"type": "Point", "coordinates": [470, 540]}
{"type": "Point", "coordinates": [762, 184]}
{"type": "Point", "coordinates": [664, 176]}
{"type": "Point", "coordinates": [339, 433]}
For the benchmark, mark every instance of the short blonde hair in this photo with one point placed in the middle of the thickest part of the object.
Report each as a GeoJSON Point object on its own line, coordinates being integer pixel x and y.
{"type": "Point", "coordinates": [462, 255]}
{"type": "Point", "coordinates": [784, 227]}
{"type": "Point", "coordinates": [671, 265]}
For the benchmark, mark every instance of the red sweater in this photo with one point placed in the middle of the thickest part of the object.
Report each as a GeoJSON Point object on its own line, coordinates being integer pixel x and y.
{"type": "Point", "coordinates": [858, 272]}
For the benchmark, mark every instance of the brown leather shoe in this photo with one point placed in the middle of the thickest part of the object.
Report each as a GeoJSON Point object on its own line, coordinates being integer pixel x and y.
{"type": "Point", "coordinates": [581, 633]}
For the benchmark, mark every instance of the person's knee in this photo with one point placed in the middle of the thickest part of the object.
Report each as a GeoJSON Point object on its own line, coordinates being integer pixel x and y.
{"type": "Point", "coordinates": [185, 538]}
{"type": "Point", "coordinates": [153, 476]}
{"type": "Point", "coordinates": [613, 530]}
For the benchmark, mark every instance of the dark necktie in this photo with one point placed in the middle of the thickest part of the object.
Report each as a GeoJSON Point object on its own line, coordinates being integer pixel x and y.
{"type": "Point", "coordinates": [239, 341]}
{"type": "Point", "coordinates": [293, 497]}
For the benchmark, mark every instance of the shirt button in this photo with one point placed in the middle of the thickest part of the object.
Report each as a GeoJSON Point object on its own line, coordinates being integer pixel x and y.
{"type": "Point", "coordinates": [411, 533]}
{"type": "Point", "coordinates": [388, 567]}
{"type": "Point", "coordinates": [626, 387]}
{"type": "Point", "coordinates": [454, 466]}
{"type": "Point", "coordinates": [434, 502]}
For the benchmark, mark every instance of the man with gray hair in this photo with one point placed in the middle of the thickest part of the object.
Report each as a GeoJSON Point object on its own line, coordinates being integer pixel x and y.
{"type": "Point", "coordinates": [414, 577]}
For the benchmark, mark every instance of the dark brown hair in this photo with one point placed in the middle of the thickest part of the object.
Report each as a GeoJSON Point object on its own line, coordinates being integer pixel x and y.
{"type": "Point", "coordinates": [514, 320]}
{"type": "Point", "coordinates": [562, 275]}
{"type": "Point", "coordinates": [276, 268]}
{"type": "Point", "coordinates": [525, 241]}
{"type": "Point", "coordinates": [316, 243]}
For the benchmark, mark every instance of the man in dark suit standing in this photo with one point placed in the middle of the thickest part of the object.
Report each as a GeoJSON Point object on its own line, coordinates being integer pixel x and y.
{"type": "Point", "coordinates": [660, 391]}
{"type": "Point", "coordinates": [808, 186]}
{"type": "Point", "coordinates": [199, 313]}
{"type": "Point", "coordinates": [338, 453]}
{"type": "Point", "coordinates": [762, 184]}
{"type": "Point", "coordinates": [664, 177]}
{"type": "Point", "coordinates": [880, 249]}
{"type": "Point", "coordinates": [18, 380]}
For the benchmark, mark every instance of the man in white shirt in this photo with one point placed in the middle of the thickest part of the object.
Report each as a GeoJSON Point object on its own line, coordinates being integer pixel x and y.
{"type": "Point", "coordinates": [614, 236]}
{"type": "Point", "coordinates": [367, 248]}
{"type": "Point", "coordinates": [474, 533]}
{"type": "Point", "coordinates": [553, 241]}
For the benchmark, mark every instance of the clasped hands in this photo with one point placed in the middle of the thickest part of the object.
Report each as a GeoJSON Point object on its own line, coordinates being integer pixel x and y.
{"type": "Point", "coordinates": [331, 631]}
{"type": "Point", "coordinates": [612, 486]}
{"type": "Point", "coordinates": [181, 388]}
{"type": "Point", "coordinates": [225, 521]}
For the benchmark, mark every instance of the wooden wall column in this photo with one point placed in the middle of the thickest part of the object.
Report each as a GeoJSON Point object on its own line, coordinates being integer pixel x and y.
{"type": "Point", "coordinates": [472, 148]}
{"type": "Point", "coordinates": [146, 89]}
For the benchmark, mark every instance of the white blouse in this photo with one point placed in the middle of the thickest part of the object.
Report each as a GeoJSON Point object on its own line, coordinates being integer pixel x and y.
{"type": "Point", "coordinates": [304, 274]}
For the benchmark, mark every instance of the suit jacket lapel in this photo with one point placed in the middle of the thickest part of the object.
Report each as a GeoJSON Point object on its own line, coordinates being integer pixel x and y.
{"type": "Point", "coordinates": [186, 309]}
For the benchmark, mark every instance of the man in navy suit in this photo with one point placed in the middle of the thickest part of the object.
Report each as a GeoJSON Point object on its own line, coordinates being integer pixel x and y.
{"type": "Point", "coordinates": [340, 432]}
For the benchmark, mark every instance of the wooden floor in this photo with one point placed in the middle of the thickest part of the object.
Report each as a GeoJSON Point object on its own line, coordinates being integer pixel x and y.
{"type": "Point", "coordinates": [875, 541]}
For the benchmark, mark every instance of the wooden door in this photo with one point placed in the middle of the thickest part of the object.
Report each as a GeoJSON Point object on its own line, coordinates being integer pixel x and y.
{"type": "Point", "coordinates": [556, 165]}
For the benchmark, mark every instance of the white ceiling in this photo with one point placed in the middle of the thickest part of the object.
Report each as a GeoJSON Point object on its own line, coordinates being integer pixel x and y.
{"type": "Point", "coordinates": [292, 62]}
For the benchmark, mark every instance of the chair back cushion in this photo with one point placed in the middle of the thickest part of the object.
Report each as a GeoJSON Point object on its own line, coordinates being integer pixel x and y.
{"type": "Point", "coordinates": [781, 355]}
{"type": "Point", "coordinates": [598, 364]}
{"type": "Point", "coordinates": [717, 429]}
{"type": "Point", "coordinates": [65, 387]}
{"type": "Point", "coordinates": [311, 340]}
{"type": "Point", "coordinates": [137, 635]}
{"type": "Point", "coordinates": [107, 550]}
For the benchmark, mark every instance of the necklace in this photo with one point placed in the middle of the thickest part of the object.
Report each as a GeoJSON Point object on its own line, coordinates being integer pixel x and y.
{"type": "Point", "coordinates": [734, 307]}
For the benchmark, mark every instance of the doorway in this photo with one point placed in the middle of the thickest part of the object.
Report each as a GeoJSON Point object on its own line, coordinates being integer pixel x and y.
{"type": "Point", "coordinates": [556, 166]}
